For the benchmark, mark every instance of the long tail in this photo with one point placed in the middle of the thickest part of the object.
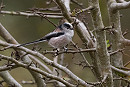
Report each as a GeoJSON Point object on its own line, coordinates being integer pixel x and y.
{"type": "Point", "coordinates": [33, 42]}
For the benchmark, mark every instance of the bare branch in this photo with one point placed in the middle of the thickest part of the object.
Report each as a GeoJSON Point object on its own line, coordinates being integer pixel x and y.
{"type": "Point", "coordinates": [119, 50]}
{"type": "Point", "coordinates": [77, 3]}
{"type": "Point", "coordinates": [36, 70]}
{"type": "Point", "coordinates": [48, 15]}
{"type": "Point", "coordinates": [5, 74]}
{"type": "Point", "coordinates": [126, 42]}
{"type": "Point", "coordinates": [7, 36]}
{"type": "Point", "coordinates": [119, 6]}
{"type": "Point", "coordinates": [121, 71]}
{"type": "Point", "coordinates": [94, 83]}
{"type": "Point", "coordinates": [86, 9]}
{"type": "Point", "coordinates": [127, 64]}
{"type": "Point", "coordinates": [115, 38]}
{"type": "Point", "coordinates": [9, 79]}
{"type": "Point", "coordinates": [101, 46]}
{"type": "Point", "coordinates": [5, 67]}
{"type": "Point", "coordinates": [67, 4]}
{"type": "Point", "coordinates": [1, 5]}
{"type": "Point", "coordinates": [47, 61]}
{"type": "Point", "coordinates": [65, 10]}
{"type": "Point", "coordinates": [80, 28]}
{"type": "Point", "coordinates": [53, 9]}
{"type": "Point", "coordinates": [70, 51]}
{"type": "Point", "coordinates": [27, 82]}
{"type": "Point", "coordinates": [121, 1]}
{"type": "Point", "coordinates": [123, 79]}
{"type": "Point", "coordinates": [83, 34]}
{"type": "Point", "coordinates": [84, 58]}
{"type": "Point", "coordinates": [40, 63]}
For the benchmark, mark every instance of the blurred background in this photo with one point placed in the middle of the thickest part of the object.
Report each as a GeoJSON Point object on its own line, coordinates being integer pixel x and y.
{"type": "Point", "coordinates": [25, 29]}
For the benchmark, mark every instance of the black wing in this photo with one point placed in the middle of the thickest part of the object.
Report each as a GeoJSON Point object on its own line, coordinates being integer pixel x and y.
{"type": "Point", "coordinates": [46, 37]}
{"type": "Point", "coordinates": [52, 34]}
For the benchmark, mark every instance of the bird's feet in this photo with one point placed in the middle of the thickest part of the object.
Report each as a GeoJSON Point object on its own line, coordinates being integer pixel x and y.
{"type": "Point", "coordinates": [65, 49]}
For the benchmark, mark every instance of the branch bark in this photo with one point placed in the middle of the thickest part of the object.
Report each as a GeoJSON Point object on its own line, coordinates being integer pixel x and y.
{"type": "Point", "coordinates": [53, 16]}
{"type": "Point", "coordinates": [126, 42]}
{"type": "Point", "coordinates": [47, 61]}
{"type": "Point", "coordinates": [101, 46]}
{"type": "Point", "coordinates": [116, 38]}
{"type": "Point", "coordinates": [9, 79]}
{"type": "Point", "coordinates": [119, 6]}
{"type": "Point", "coordinates": [127, 73]}
{"type": "Point", "coordinates": [121, 1]}
{"type": "Point", "coordinates": [6, 35]}
{"type": "Point", "coordinates": [36, 70]}
{"type": "Point", "coordinates": [83, 34]}
{"type": "Point", "coordinates": [5, 74]}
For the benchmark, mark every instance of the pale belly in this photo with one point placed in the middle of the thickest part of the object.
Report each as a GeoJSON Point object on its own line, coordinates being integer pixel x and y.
{"type": "Point", "coordinates": [59, 42]}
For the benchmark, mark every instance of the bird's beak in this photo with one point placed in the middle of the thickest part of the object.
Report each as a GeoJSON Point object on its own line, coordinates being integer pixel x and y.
{"type": "Point", "coordinates": [71, 28]}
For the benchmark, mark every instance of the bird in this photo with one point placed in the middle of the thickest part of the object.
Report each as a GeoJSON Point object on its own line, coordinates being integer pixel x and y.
{"type": "Point", "coordinates": [58, 39]}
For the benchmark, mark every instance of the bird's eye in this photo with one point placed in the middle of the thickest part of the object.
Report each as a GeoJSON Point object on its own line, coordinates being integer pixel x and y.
{"type": "Point", "coordinates": [67, 26]}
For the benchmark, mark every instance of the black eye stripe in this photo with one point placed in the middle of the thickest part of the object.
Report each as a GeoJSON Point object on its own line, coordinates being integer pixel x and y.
{"type": "Point", "coordinates": [67, 25]}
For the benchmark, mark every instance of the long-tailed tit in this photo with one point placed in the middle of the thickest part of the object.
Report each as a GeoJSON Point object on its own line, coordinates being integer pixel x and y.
{"type": "Point", "coordinates": [59, 38]}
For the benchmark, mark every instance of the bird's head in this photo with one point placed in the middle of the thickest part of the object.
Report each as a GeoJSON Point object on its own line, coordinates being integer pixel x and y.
{"type": "Point", "coordinates": [67, 28]}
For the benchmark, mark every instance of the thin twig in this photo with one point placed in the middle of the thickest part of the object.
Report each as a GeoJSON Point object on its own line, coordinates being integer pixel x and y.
{"type": "Point", "coordinates": [84, 58]}
{"type": "Point", "coordinates": [1, 6]}
{"type": "Point", "coordinates": [126, 80]}
{"type": "Point", "coordinates": [57, 52]}
{"type": "Point", "coordinates": [77, 3]}
{"type": "Point", "coordinates": [119, 50]}
{"type": "Point", "coordinates": [126, 63]}
{"type": "Point", "coordinates": [49, 62]}
{"type": "Point", "coordinates": [27, 82]}
{"type": "Point", "coordinates": [40, 63]}
{"type": "Point", "coordinates": [121, 71]}
{"type": "Point", "coordinates": [54, 9]}
{"type": "Point", "coordinates": [94, 83]}
{"type": "Point", "coordinates": [36, 70]}
{"type": "Point", "coordinates": [70, 51]}
{"type": "Point", "coordinates": [86, 9]}
{"type": "Point", "coordinates": [48, 19]}
{"type": "Point", "coordinates": [29, 14]}
{"type": "Point", "coordinates": [121, 1]}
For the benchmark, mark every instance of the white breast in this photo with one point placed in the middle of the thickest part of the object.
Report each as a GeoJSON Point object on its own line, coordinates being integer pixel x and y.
{"type": "Point", "coordinates": [59, 42]}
